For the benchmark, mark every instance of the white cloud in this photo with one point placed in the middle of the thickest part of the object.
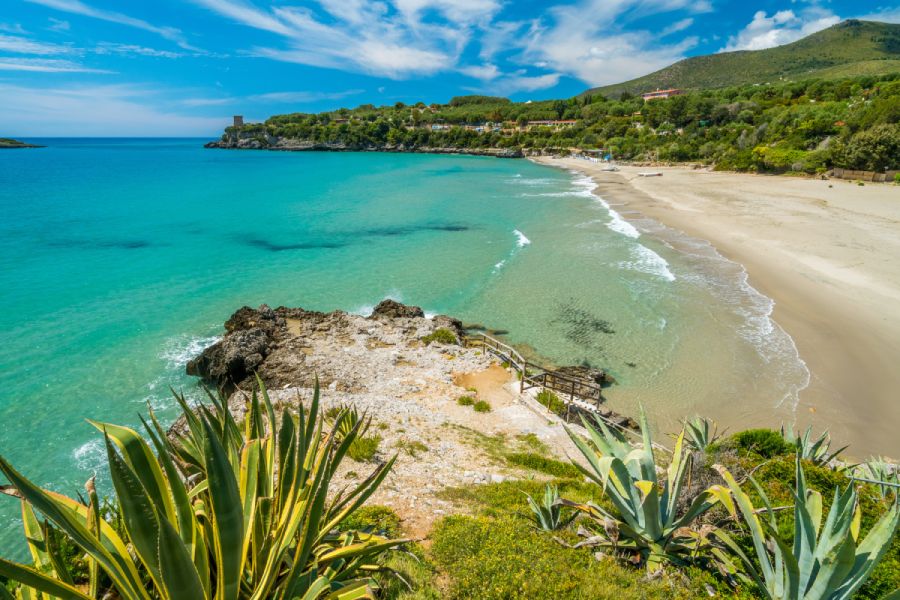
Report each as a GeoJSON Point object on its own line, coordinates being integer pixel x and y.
{"type": "Point", "coordinates": [676, 27]}
{"type": "Point", "coordinates": [783, 27]}
{"type": "Point", "coordinates": [297, 97]}
{"type": "Point", "coordinates": [97, 110]}
{"type": "Point", "coordinates": [484, 72]}
{"type": "Point", "coordinates": [12, 28]}
{"type": "Point", "coordinates": [20, 45]}
{"type": "Point", "coordinates": [80, 8]}
{"type": "Point", "coordinates": [596, 49]}
{"type": "Point", "coordinates": [42, 65]}
{"type": "Point", "coordinates": [58, 25]}
{"type": "Point", "coordinates": [394, 40]}
{"type": "Point", "coordinates": [887, 14]}
{"type": "Point", "coordinates": [302, 97]}
{"type": "Point", "coordinates": [132, 49]}
{"type": "Point", "coordinates": [511, 84]}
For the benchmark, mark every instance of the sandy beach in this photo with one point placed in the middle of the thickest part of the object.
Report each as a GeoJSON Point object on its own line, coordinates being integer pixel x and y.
{"type": "Point", "coordinates": [825, 251]}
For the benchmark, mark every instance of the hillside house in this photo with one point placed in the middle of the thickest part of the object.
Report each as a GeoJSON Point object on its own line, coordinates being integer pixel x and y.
{"type": "Point", "coordinates": [555, 124]}
{"type": "Point", "coordinates": [661, 94]}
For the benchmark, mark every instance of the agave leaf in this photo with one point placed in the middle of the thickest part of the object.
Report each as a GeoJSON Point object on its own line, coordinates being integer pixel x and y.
{"type": "Point", "coordinates": [184, 514]}
{"type": "Point", "coordinates": [871, 550]}
{"type": "Point", "coordinates": [140, 458]}
{"type": "Point", "coordinates": [33, 578]}
{"type": "Point", "coordinates": [753, 522]}
{"type": "Point", "coordinates": [37, 541]}
{"type": "Point", "coordinates": [227, 516]}
{"type": "Point", "coordinates": [179, 576]}
{"type": "Point", "coordinates": [138, 512]}
{"type": "Point", "coordinates": [249, 473]}
{"type": "Point", "coordinates": [115, 562]}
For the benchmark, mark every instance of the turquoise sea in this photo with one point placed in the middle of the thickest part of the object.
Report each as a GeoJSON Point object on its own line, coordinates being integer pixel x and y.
{"type": "Point", "coordinates": [121, 258]}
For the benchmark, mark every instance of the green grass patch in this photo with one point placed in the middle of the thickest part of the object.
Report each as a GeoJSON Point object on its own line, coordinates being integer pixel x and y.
{"type": "Point", "coordinates": [542, 464]}
{"type": "Point", "coordinates": [481, 406]}
{"type": "Point", "coordinates": [363, 449]}
{"type": "Point", "coordinates": [502, 558]}
{"type": "Point", "coordinates": [466, 401]}
{"type": "Point", "coordinates": [552, 402]}
{"type": "Point", "coordinates": [412, 448]}
{"type": "Point", "coordinates": [441, 335]}
{"type": "Point", "coordinates": [376, 518]}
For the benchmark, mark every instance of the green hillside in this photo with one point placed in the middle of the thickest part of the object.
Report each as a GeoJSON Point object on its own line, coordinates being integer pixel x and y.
{"type": "Point", "coordinates": [850, 48]}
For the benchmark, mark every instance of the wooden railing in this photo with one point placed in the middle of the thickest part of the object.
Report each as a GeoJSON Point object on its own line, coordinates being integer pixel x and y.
{"type": "Point", "coordinates": [532, 375]}
{"type": "Point", "coordinates": [579, 391]}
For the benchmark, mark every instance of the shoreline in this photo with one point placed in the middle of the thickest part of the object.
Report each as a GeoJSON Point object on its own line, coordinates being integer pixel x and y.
{"type": "Point", "coordinates": [821, 251]}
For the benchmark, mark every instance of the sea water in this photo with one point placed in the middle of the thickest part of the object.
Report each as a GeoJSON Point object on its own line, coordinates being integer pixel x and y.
{"type": "Point", "coordinates": [120, 259]}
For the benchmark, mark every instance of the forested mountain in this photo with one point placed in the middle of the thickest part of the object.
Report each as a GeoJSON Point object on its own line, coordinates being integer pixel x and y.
{"type": "Point", "coordinates": [850, 48]}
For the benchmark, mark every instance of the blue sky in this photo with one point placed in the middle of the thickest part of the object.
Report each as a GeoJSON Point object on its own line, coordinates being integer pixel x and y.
{"type": "Point", "coordinates": [183, 67]}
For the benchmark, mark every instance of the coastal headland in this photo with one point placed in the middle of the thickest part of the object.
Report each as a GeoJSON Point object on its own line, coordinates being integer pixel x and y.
{"type": "Point", "coordinates": [825, 252]}
{"type": "Point", "coordinates": [386, 366]}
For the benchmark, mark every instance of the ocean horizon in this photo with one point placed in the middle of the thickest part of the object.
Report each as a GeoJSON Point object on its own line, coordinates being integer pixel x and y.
{"type": "Point", "coordinates": [122, 257]}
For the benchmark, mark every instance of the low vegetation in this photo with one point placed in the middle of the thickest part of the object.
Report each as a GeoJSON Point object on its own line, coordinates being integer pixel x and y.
{"type": "Point", "coordinates": [441, 335]}
{"type": "Point", "coordinates": [246, 510]}
{"type": "Point", "coordinates": [466, 400]}
{"type": "Point", "coordinates": [363, 449]}
{"type": "Point", "coordinates": [219, 511]}
{"type": "Point", "coordinates": [481, 406]}
{"type": "Point", "coordinates": [552, 402]}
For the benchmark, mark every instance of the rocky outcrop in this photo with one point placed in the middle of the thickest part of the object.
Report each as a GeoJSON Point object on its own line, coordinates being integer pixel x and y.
{"type": "Point", "coordinates": [277, 344]}
{"type": "Point", "coordinates": [589, 374]}
{"type": "Point", "coordinates": [391, 309]}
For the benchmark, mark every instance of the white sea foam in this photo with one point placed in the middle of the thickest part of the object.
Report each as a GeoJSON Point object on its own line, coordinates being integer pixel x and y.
{"type": "Point", "coordinates": [532, 180]}
{"type": "Point", "coordinates": [180, 349]}
{"type": "Point", "coordinates": [645, 260]}
{"type": "Point", "coordinates": [90, 456]}
{"type": "Point", "coordinates": [366, 309]}
{"type": "Point", "coordinates": [521, 240]}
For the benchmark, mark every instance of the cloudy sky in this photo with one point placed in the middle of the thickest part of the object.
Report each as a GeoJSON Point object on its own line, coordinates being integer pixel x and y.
{"type": "Point", "coordinates": [182, 67]}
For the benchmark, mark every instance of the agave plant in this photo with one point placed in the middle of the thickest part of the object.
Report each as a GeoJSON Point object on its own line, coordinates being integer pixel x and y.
{"type": "Point", "coordinates": [701, 433]}
{"type": "Point", "coordinates": [219, 512]}
{"type": "Point", "coordinates": [547, 514]}
{"type": "Point", "coordinates": [644, 520]}
{"type": "Point", "coordinates": [345, 419]}
{"type": "Point", "coordinates": [883, 474]}
{"type": "Point", "coordinates": [816, 451]}
{"type": "Point", "coordinates": [826, 561]}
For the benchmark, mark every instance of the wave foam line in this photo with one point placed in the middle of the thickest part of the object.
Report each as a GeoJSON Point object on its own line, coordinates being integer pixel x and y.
{"type": "Point", "coordinates": [645, 260]}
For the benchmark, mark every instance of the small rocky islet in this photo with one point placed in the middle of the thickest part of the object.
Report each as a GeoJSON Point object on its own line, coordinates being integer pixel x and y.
{"type": "Point", "coordinates": [9, 143]}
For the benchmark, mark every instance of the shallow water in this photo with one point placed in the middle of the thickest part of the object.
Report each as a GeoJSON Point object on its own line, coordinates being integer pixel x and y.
{"type": "Point", "coordinates": [120, 259]}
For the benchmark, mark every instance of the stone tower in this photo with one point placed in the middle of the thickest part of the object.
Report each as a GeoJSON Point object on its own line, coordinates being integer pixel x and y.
{"type": "Point", "coordinates": [238, 120]}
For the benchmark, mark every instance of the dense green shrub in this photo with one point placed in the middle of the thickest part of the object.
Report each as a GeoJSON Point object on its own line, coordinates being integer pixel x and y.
{"type": "Point", "coordinates": [441, 335]}
{"type": "Point", "coordinates": [481, 406]}
{"type": "Point", "coordinates": [763, 443]}
{"type": "Point", "coordinates": [363, 449]}
{"type": "Point", "coordinates": [466, 401]}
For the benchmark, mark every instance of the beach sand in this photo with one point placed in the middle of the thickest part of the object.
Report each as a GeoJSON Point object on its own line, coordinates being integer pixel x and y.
{"type": "Point", "coordinates": [827, 253]}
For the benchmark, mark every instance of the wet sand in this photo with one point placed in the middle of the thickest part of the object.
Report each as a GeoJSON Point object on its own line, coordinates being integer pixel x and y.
{"type": "Point", "coordinates": [827, 253]}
